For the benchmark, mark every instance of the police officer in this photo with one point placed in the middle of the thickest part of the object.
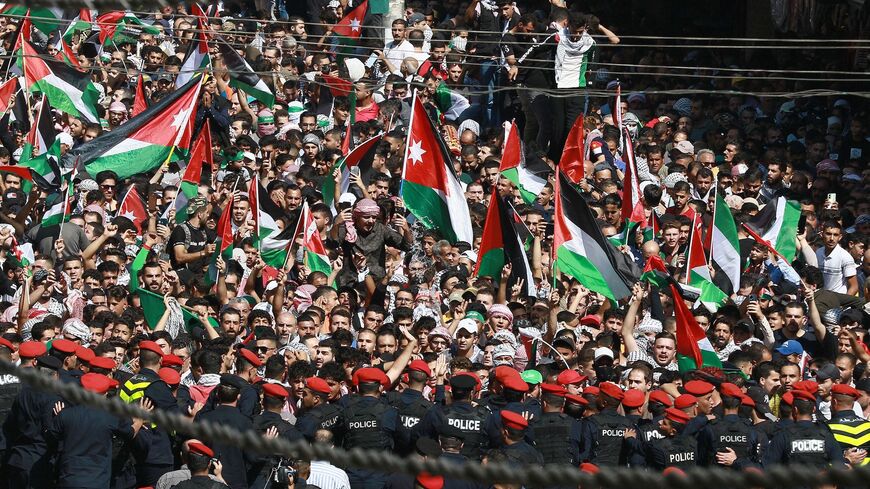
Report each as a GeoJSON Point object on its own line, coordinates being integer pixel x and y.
{"type": "Point", "coordinates": [460, 414]}
{"type": "Point", "coordinates": [274, 398]}
{"type": "Point", "coordinates": [411, 404]}
{"type": "Point", "coordinates": [849, 429]}
{"type": "Point", "coordinates": [632, 405]}
{"type": "Point", "coordinates": [247, 363]}
{"type": "Point", "coordinates": [703, 392]}
{"type": "Point", "coordinates": [82, 438]}
{"type": "Point", "coordinates": [556, 435]}
{"type": "Point", "coordinates": [513, 391]}
{"type": "Point", "coordinates": [575, 406]}
{"type": "Point", "coordinates": [369, 423]}
{"type": "Point", "coordinates": [676, 448]}
{"type": "Point", "coordinates": [236, 461]}
{"type": "Point", "coordinates": [803, 442]}
{"type": "Point", "coordinates": [513, 433]}
{"type": "Point", "coordinates": [200, 459]}
{"type": "Point", "coordinates": [735, 443]}
{"type": "Point", "coordinates": [648, 429]}
{"type": "Point", "coordinates": [603, 437]}
{"type": "Point", "coordinates": [316, 412]}
{"type": "Point", "coordinates": [65, 351]}
{"type": "Point", "coordinates": [28, 462]}
{"type": "Point", "coordinates": [450, 441]}
{"type": "Point", "coordinates": [9, 387]}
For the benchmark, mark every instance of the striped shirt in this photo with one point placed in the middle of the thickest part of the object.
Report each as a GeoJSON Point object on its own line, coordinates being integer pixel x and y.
{"type": "Point", "coordinates": [327, 476]}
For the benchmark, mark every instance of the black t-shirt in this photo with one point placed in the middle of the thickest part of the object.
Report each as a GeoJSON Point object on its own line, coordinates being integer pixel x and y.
{"type": "Point", "coordinates": [826, 348]}
{"type": "Point", "coordinates": [195, 240]}
{"type": "Point", "coordinates": [535, 56]}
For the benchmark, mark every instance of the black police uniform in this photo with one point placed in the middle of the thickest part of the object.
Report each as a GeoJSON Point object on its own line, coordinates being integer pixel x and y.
{"type": "Point", "coordinates": [523, 454]}
{"type": "Point", "coordinates": [850, 431]}
{"type": "Point", "coordinates": [199, 482]}
{"type": "Point", "coordinates": [603, 438]}
{"type": "Point", "coordinates": [736, 433]}
{"type": "Point", "coordinates": [371, 424]}
{"type": "Point", "coordinates": [249, 400]}
{"type": "Point", "coordinates": [412, 406]}
{"type": "Point", "coordinates": [492, 426]}
{"type": "Point", "coordinates": [323, 417]}
{"type": "Point", "coordinates": [557, 437]}
{"type": "Point", "coordinates": [680, 451]}
{"type": "Point", "coordinates": [263, 467]}
{"type": "Point", "coordinates": [466, 418]}
{"type": "Point", "coordinates": [804, 443]}
{"type": "Point", "coordinates": [153, 449]}
{"type": "Point", "coordinates": [27, 459]}
{"type": "Point", "coordinates": [82, 437]}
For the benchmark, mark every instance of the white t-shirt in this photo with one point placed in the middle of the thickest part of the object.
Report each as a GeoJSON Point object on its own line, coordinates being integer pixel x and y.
{"type": "Point", "coordinates": [836, 268]}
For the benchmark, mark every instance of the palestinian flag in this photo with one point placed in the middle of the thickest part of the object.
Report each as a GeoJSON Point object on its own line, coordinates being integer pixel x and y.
{"type": "Point", "coordinates": [224, 240]}
{"type": "Point", "coordinates": [725, 245]}
{"type": "Point", "coordinates": [133, 208]}
{"type": "Point", "coordinates": [315, 257]}
{"type": "Point", "coordinates": [144, 142]}
{"type": "Point", "coordinates": [617, 113]}
{"type": "Point", "coordinates": [360, 157]}
{"type": "Point", "coordinates": [192, 178]}
{"type": "Point", "coordinates": [582, 251]}
{"type": "Point", "coordinates": [8, 92]}
{"type": "Point", "coordinates": [243, 77]}
{"type": "Point", "coordinates": [41, 152]}
{"type": "Point", "coordinates": [502, 245]}
{"type": "Point", "coordinates": [67, 89]}
{"type": "Point", "coordinates": [338, 87]}
{"type": "Point", "coordinates": [46, 19]}
{"type": "Point", "coordinates": [694, 350]}
{"type": "Point", "coordinates": [140, 103]}
{"type": "Point", "coordinates": [698, 273]}
{"type": "Point", "coordinates": [59, 206]}
{"type": "Point", "coordinates": [430, 189]}
{"type": "Point", "coordinates": [83, 22]}
{"type": "Point", "coordinates": [20, 171]}
{"type": "Point", "coordinates": [197, 59]}
{"type": "Point", "coordinates": [273, 241]}
{"type": "Point", "coordinates": [776, 226]}
{"type": "Point", "coordinates": [632, 199]}
{"type": "Point", "coordinates": [118, 27]}
{"type": "Point", "coordinates": [66, 54]}
{"type": "Point", "coordinates": [655, 272]}
{"type": "Point", "coordinates": [349, 28]}
{"type": "Point", "coordinates": [153, 308]}
{"type": "Point", "coordinates": [530, 177]}
{"type": "Point", "coordinates": [449, 102]}
{"type": "Point", "coordinates": [574, 153]}
{"type": "Point", "coordinates": [22, 254]}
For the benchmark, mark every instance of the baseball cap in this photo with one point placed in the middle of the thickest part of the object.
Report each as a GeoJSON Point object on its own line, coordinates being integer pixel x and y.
{"type": "Point", "coordinates": [791, 347]}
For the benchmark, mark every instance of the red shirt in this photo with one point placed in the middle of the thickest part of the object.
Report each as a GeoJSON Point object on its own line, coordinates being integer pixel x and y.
{"type": "Point", "coordinates": [367, 113]}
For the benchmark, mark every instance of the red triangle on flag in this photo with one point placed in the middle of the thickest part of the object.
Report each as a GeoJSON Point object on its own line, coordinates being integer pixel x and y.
{"type": "Point", "coordinates": [225, 227]}
{"type": "Point", "coordinates": [201, 152]}
{"type": "Point", "coordinates": [7, 92]}
{"type": "Point", "coordinates": [133, 209]}
{"type": "Point", "coordinates": [574, 154]}
{"type": "Point", "coordinates": [108, 23]}
{"type": "Point", "coordinates": [352, 23]}
{"type": "Point", "coordinates": [512, 154]}
{"type": "Point", "coordinates": [339, 87]}
{"type": "Point", "coordinates": [424, 156]}
{"type": "Point", "coordinates": [167, 127]}
{"type": "Point", "coordinates": [139, 103]}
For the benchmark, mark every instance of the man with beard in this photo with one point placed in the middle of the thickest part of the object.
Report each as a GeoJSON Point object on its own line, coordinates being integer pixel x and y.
{"type": "Point", "coordinates": [722, 338]}
{"type": "Point", "coordinates": [816, 342]}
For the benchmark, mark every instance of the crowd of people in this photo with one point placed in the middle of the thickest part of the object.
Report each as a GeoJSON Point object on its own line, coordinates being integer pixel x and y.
{"type": "Point", "coordinates": [383, 334]}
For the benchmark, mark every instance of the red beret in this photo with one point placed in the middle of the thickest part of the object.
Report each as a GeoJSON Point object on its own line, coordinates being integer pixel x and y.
{"type": "Point", "coordinates": [516, 384]}
{"type": "Point", "coordinates": [503, 372]}
{"type": "Point", "coordinates": [846, 390]}
{"type": "Point", "coordinates": [200, 449]}
{"type": "Point", "coordinates": [590, 320]}
{"type": "Point", "coordinates": [674, 470]}
{"type": "Point", "coordinates": [568, 377]}
{"type": "Point", "coordinates": [31, 349]}
{"type": "Point", "coordinates": [661, 397]}
{"type": "Point", "coordinates": [317, 385]}
{"type": "Point", "coordinates": [250, 357]}
{"type": "Point", "coordinates": [591, 390]}
{"type": "Point", "coordinates": [64, 346]}
{"type": "Point", "coordinates": [698, 388]}
{"type": "Point", "coordinates": [103, 362]}
{"type": "Point", "coordinates": [806, 386]}
{"type": "Point", "coordinates": [85, 354]}
{"type": "Point", "coordinates": [685, 401]}
{"type": "Point", "coordinates": [557, 390]}
{"type": "Point", "coordinates": [612, 390]}
{"type": "Point", "coordinates": [513, 420]}
{"type": "Point", "coordinates": [7, 344]}
{"type": "Point", "coordinates": [747, 401]}
{"type": "Point", "coordinates": [804, 395]}
{"type": "Point", "coordinates": [98, 383]}
{"type": "Point", "coordinates": [276, 390]}
{"type": "Point", "coordinates": [172, 360]}
{"type": "Point", "coordinates": [429, 481]}
{"type": "Point", "coordinates": [150, 346]}
{"type": "Point", "coordinates": [420, 366]}
{"type": "Point", "coordinates": [730, 390]}
{"type": "Point", "coordinates": [170, 376]}
{"type": "Point", "coordinates": [677, 416]}
{"type": "Point", "coordinates": [589, 468]}
{"type": "Point", "coordinates": [633, 398]}
{"type": "Point", "coordinates": [371, 374]}
{"type": "Point", "coordinates": [788, 398]}
{"type": "Point", "coordinates": [576, 399]}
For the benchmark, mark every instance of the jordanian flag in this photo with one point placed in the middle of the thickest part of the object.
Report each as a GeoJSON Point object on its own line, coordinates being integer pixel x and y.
{"type": "Point", "coordinates": [699, 273]}
{"type": "Point", "coordinates": [502, 245]}
{"type": "Point", "coordinates": [582, 251]}
{"type": "Point", "coordinates": [574, 152]}
{"type": "Point", "coordinates": [360, 157]}
{"type": "Point", "coordinates": [272, 239]}
{"type": "Point", "coordinates": [725, 244]}
{"type": "Point", "coordinates": [315, 257]}
{"type": "Point", "coordinates": [144, 142]}
{"type": "Point", "coordinates": [530, 177]}
{"type": "Point", "coordinates": [430, 189]}
{"type": "Point", "coordinates": [243, 77]}
{"type": "Point", "coordinates": [224, 240]}
{"type": "Point", "coordinates": [449, 102]}
{"type": "Point", "coordinates": [694, 350]}
{"type": "Point", "coordinates": [196, 60]}
{"type": "Point", "coordinates": [776, 226]}
{"type": "Point", "coordinates": [122, 27]}
{"type": "Point", "coordinates": [67, 89]}
{"type": "Point", "coordinates": [45, 19]}
{"type": "Point", "coordinates": [349, 28]}
{"type": "Point", "coordinates": [41, 152]}
{"type": "Point", "coordinates": [59, 206]}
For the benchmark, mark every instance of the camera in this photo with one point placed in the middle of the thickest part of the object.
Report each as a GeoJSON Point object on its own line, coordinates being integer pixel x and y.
{"type": "Point", "coordinates": [283, 473]}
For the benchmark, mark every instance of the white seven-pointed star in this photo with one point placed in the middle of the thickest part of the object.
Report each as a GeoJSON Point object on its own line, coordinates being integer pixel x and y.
{"type": "Point", "coordinates": [129, 215]}
{"type": "Point", "coordinates": [179, 118]}
{"type": "Point", "coordinates": [354, 25]}
{"type": "Point", "coordinates": [416, 152]}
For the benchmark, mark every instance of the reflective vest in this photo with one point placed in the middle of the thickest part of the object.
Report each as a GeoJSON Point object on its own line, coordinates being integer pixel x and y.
{"type": "Point", "coordinates": [851, 431]}
{"type": "Point", "coordinates": [134, 388]}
